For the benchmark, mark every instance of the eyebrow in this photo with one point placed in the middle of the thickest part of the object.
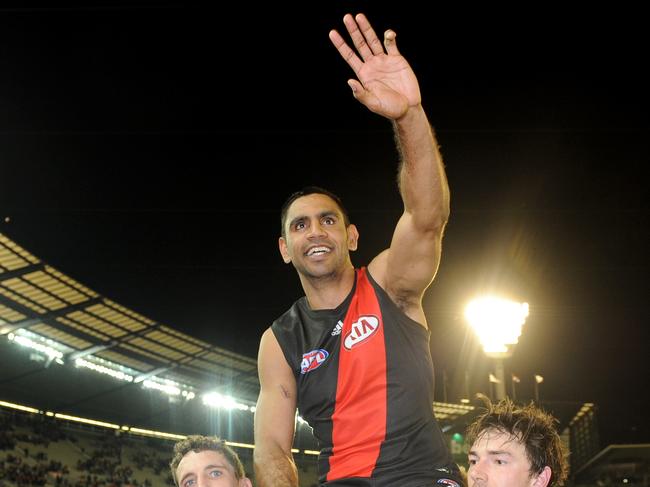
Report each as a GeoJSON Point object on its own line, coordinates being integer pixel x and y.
{"type": "Point", "coordinates": [492, 452]}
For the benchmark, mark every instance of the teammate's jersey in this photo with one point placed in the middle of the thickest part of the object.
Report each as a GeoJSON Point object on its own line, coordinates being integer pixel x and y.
{"type": "Point", "coordinates": [365, 385]}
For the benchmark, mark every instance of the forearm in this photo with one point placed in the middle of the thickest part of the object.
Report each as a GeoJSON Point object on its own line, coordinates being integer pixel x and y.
{"type": "Point", "coordinates": [274, 469]}
{"type": "Point", "coordinates": [422, 179]}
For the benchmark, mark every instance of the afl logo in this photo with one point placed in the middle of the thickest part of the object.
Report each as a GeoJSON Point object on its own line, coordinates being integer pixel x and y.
{"type": "Point", "coordinates": [312, 360]}
{"type": "Point", "coordinates": [360, 331]}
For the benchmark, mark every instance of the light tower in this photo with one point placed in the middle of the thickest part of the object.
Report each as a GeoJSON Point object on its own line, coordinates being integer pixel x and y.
{"type": "Point", "coordinates": [497, 322]}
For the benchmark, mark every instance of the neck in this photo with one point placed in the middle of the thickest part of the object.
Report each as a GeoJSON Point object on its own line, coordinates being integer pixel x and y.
{"type": "Point", "coordinates": [327, 292]}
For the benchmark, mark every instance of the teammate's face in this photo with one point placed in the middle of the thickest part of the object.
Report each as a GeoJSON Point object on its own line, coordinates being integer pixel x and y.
{"type": "Point", "coordinates": [317, 241]}
{"type": "Point", "coordinates": [208, 469]}
{"type": "Point", "coordinates": [498, 459]}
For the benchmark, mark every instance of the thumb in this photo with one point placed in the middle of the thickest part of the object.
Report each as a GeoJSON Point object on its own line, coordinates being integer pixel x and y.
{"type": "Point", "coordinates": [358, 91]}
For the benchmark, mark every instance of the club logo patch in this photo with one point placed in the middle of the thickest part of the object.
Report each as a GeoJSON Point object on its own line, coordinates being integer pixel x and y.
{"type": "Point", "coordinates": [360, 331]}
{"type": "Point", "coordinates": [312, 360]}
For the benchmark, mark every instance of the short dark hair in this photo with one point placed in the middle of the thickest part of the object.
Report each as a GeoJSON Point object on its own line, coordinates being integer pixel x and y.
{"type": "Point", "coordinates": [307, 190]}
{"type": "Point", "coordinates": [199, 443]}
{"type": "Point", "coordinates": [530, 425]}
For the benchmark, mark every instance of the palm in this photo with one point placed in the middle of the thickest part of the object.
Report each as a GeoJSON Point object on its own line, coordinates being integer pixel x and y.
{"type": "Point", "coordinates": [391, 85]}
{"type": "Point", "coordinates": [386, 83]}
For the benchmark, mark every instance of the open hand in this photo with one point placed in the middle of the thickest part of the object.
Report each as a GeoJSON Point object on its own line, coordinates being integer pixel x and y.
{"type": "Point", "coordinates": [385, 82]}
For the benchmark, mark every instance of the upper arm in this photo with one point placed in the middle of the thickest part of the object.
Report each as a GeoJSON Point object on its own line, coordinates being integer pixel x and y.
{"type": "Point", "coordinates": [406, 269]}
{"type": "Point", "coordinates": [411, 262]}
{"type": "Point", "coordinates": [276, 405]}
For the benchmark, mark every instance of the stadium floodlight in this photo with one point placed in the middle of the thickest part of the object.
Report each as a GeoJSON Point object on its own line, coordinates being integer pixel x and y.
{"type": "Point", "coordinates": [168, 387]}
{"type": "Point", "coordinates": [497, 323]}
{"type": "Point", "coordinates": [44, 346]}
{"type": "Point", "coordinates": [216, 400]}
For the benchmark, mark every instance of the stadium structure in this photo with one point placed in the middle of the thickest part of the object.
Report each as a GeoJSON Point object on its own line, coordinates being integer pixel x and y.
{"type": "Point", "coordinates": [83, 378]}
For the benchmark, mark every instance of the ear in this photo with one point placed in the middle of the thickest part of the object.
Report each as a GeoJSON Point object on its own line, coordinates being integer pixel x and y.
{"type": "Point", "coordinates": [284, 250]}
{"type": "Point", "coordinates": [542, 479]}
{"type": "Point", "coordinates": [245, 482]}
{"type": "Point", "coordinates": [353, 237]}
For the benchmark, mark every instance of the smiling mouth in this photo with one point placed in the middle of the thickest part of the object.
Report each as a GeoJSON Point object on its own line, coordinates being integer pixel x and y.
{"type": "Point", "coordinates": [315, 251]}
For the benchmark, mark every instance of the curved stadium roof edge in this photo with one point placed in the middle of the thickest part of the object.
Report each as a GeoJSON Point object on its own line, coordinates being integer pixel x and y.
{"type": "Point", "coordinates": [43, 300]}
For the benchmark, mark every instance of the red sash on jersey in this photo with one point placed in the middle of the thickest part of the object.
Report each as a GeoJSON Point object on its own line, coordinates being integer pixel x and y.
{"type": "Point", "coordinates": [359, 419]}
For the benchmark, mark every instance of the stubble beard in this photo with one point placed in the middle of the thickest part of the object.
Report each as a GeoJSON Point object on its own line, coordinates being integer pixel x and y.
{"type": "Point", "coordinates": [318, 278]}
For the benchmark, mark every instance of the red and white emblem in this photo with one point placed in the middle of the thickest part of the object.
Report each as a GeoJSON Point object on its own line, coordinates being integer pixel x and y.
{"type": "Point", "coordinates": [312, 360]}
{"type": "Point", "coordinates": [360, 331]}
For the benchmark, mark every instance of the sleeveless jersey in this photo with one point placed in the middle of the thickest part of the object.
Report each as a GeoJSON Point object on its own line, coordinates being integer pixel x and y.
{"type": "Point", "coordinates": [365, 385]}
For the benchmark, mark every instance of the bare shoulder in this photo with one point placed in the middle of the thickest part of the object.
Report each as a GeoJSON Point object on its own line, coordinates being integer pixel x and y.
{"type": "Point", "coordinates": [270, 354]}
{"type": "Point", "coordinates": [273, 369]}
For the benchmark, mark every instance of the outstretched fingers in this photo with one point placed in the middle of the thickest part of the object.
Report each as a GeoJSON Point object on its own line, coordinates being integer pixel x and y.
{"type": "Point", "coordinates": [345, 51]}
{"type": "Point", "coordinates": [390, 43]}
{"type": "Point", "coordinates": [363, 35]}
{"type": "Point", "coordinates": [365, 41]}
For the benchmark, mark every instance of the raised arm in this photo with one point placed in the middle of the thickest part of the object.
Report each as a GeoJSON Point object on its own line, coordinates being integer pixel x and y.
{"type": "Point", "coordinates": [386, 85]}
{"type": "Point", "coordinates": [275, 417]}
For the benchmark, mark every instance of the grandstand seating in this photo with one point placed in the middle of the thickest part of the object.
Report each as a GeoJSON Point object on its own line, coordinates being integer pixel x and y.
{"type": "Point", "coordinates": [44, 451]}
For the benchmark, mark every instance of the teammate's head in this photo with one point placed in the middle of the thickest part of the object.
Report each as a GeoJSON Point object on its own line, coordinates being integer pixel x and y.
{"type": "Point", "coordinates": [203, 461]}
{"type": "Point", "coordinates": [515, 446]}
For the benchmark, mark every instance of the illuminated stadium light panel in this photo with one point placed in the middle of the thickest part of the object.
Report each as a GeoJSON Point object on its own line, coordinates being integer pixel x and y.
{"type": "Point", "coordinates": [54, 351]}
{"type": "Point", "coordinates": [497, 322]}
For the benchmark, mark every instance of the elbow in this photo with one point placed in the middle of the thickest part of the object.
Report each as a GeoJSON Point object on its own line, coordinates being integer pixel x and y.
{"type": "Point", "coordinates": [441, 213]}
{"type": "Point", "coordinates": [270, 451]}
{"type": "Point", "coordinates": [434, 221]}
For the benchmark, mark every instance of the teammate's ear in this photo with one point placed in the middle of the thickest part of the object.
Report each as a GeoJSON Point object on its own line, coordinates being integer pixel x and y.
{"type": "Point", "coordinates": [543, 478]}
{"type": "Point", "coordinates": [284, 250]}
{"type": "Point", "coordinates": [245, 482]}
{"type": "Point", "coordinates": [353, 237]}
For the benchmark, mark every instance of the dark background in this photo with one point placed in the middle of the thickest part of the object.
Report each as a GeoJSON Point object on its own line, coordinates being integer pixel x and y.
{"type": "Point", "coordinates": [145, 150]}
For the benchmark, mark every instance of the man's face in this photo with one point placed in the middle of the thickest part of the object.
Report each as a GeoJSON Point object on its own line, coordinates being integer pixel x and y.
{"type": "Point", "coordinates": [207, 469]}
{"type": "Point", "coordinates": [498, 459]}
{"type": "Point", "coordinates": [317, 241]}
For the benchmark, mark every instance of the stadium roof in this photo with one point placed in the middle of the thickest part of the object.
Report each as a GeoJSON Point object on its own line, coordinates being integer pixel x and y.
{"type": "Point", "coordinates": [45, 302]}
{"type": "Point", "coordinates": [41, 299]}
{"type": "Point", "coordinates": [616, 459]}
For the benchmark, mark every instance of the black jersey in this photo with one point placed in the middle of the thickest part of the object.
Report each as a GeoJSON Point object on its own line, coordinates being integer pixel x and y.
{"type": "Point", "coordinates": [364, 377]}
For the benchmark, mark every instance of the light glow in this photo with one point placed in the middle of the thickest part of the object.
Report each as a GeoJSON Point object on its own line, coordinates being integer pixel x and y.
{"type": "Point", "coordinates": [239, 445]}
{"type": "Point", "coordinates": [216, 400]}
{"type": "Point", "coordinates": [497, 322]}
{"type": "Point", "coordinates": [19, 407]}
{"type": "Point", "coordinates": [168, 387]}
{"type": "Point", "coordinates": [117, 374]}
{"type": "Point", "coordinates": [86, 421]}
{"type": "Point", "coordinates": [52, 353]}
{"type": "Point", "coordinates": [156, 434]}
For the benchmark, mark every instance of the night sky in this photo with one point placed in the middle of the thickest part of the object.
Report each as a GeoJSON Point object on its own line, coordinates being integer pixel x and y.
{"type": "Point", "coordinates": [146, 150]}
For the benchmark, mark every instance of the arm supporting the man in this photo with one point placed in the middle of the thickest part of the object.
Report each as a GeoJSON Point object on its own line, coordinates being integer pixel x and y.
{"type": "Point", "coordinates": [274, 418]}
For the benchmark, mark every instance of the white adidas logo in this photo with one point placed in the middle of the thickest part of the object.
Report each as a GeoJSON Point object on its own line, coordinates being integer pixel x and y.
{"type": "Point", "coordinates": [337, 329]}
